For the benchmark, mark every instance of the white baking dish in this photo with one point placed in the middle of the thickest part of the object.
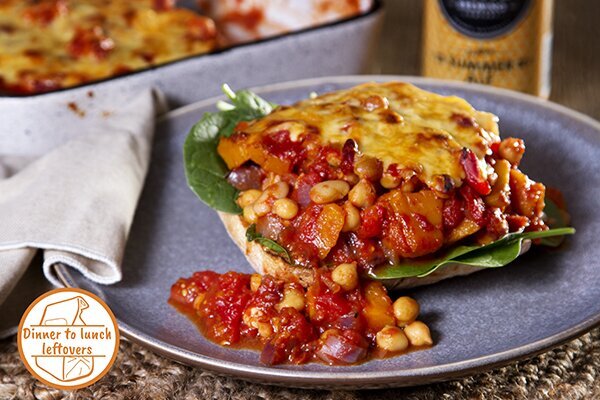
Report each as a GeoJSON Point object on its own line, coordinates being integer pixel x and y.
{"type": "Point", "coordinates": [341, 48]}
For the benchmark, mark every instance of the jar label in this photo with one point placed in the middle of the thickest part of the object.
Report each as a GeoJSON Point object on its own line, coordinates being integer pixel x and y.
{"type": "Point", "coordinates": [502, 43]}
{"type": "Point", "coordinates": [484, 18]}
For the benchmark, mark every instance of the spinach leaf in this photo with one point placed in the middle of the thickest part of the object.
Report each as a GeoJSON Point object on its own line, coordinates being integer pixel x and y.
{"type": "Point", "coordinates": [493, 255]}
{"type": "Point", "coordinates": [273, 246]}
{"type": "Point", "coordinates": [205, 171]}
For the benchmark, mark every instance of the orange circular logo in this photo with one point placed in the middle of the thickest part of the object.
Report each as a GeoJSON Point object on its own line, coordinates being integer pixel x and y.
{"type": "Point", "coordinates": [68, 338]}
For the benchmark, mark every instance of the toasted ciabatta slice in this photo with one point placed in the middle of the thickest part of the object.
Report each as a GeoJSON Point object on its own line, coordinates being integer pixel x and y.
{"type": "Point", "coordinates": [261, 260]}
{"type": "Point", "coordinates": [266, 263]}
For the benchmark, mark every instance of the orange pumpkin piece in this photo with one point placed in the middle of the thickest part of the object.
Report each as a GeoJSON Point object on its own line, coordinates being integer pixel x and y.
{"type": "Point", "coordinates": [414, 223]}
{"type": "Point", "coordinates": [239, 148]}
{"type": "Point", "coordinates": [329, 225]}
{"type": "Point", "coordinates": [378, 310]}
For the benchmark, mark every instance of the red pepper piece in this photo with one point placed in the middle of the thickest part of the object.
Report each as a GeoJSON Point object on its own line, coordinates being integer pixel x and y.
{"type": "Point", "coordinates": [468, 160]}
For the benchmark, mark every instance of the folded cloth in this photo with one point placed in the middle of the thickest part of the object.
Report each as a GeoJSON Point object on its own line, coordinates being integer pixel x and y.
{"type": "Point", "coordinates": [70, 178]}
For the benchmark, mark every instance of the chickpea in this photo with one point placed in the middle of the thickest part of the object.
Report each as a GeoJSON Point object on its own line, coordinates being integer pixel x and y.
{"type": "Point", "coordinates": [368, 168]}
{"type": "Point", "coordinates": [276, 190]}
{"type": "Point", "coordinates": [406, 310]}
{"type": "Point", "coordinates": [351, 178]}
{"type": "Point", "coordinates": [249, 214]}
{"type": "Point", "coordinates": [248, 197]}
{"type": "Point", "coordinates": [285, 208]}
{"type": "Point", "coordinates": [264, 329]}
{"type": "Point", "coordinates": [390, 181]}
{"type": "Point", "coordinates": [391, 338]}
{"type": "Point", "coordinates": [261, 208]}
{"type": "Point", "coordinates": [255, 318]}
{"type": "Point", "coordinates": [293, 297]}
{"type": "Point", "coordinates": [252, 316]}
{"type": "Point", "coordinates": [410, 185]}
{"type": "Point", "coordinates": [255, 281]}
{"type": "Point", "coordinates": [362, 194]}
{"type": "Point", "coordinates": [270, 179]}
{"type": "Point", "coordinates": [345, 275]}
{"type": "Point", "coordinates": [410, 181]}
{"type": "Point", "coordinates": [352, 220]}
{"type": "Point", "coordinates": [418, 333]}
{"type": "Point", "coordinates": [329, 191]}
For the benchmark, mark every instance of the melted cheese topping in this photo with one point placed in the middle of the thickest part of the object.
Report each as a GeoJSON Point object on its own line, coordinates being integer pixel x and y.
{"type": "Point", "coordinates": [49, 44]}
{"type": "Point", "coordinates": [396, 123]}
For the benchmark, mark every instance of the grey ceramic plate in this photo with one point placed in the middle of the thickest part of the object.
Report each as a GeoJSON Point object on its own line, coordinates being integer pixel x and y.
{"type": "Point", "coordinates": [480, 321]}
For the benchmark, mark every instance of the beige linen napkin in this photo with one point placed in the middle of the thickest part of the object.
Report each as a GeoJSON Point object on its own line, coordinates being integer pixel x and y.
{"type": "Point", "coordinates": [70, 177]}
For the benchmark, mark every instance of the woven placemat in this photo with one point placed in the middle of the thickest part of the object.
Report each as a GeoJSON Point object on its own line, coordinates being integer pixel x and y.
{"type": "Point", "coordinates": [571, 371]}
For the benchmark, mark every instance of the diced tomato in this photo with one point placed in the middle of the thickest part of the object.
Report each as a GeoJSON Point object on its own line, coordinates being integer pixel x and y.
{"type": "Point", "coordinates": [223, 306]}
{"type": "Point", "coordinates": [372, 219]}
{"type": "Point", "coordinates": [268, 293]}
{"type": "Point", "coordinates": [316, 228]}
{"type": "Point", "coordinates": [293, 335]}
{"type": "Point", "coordinates": [475, 179]}
{"type": "Point", "coordinates": [341, 253]}
{"type": "Point", "coordinates": [474, 205]}
{"type": "Point", "coordinates": [393, 170]}
{"type": "Point", "coordinates": [494, 147]}
{"type": "Point", "coordinates": [281, 146]}
{"type": "Point", "coordinates": [367, 252]}
{"type": "Point", "coordinates": [184, 292]}
{"type": "Point", "coordinates": [328, 307]}
{"type": "Point", "coordinates": [319, 168]}
{"type": "Point", "coordinates": [453, 212]}
{"type": "Point", "coordinates": [204, 279]}
{"type": "Point", "coordinates": [517, 223]}
{"type": "Point", "coordinates": [348, 153]}
{"type": "Point", "coordinates": [300, 237]}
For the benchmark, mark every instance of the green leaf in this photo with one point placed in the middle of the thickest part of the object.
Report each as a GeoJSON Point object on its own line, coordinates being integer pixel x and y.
{"type": "Point", "coordinates": [273, 246]}
{"type": "Point", "coordinates": [205, 171]}
{"type": "Point", "coordinates": [493, 255]}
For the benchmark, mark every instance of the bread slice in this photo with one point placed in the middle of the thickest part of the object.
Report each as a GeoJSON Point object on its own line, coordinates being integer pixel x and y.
{"type": "Point", "coordinates": [261, 260]}
{"type": "Point", "coordinates": [264, 262]}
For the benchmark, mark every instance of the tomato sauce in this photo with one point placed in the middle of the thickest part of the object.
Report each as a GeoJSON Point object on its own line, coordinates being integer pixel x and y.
{"type": "Point", "coordinates": [286, 322]}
